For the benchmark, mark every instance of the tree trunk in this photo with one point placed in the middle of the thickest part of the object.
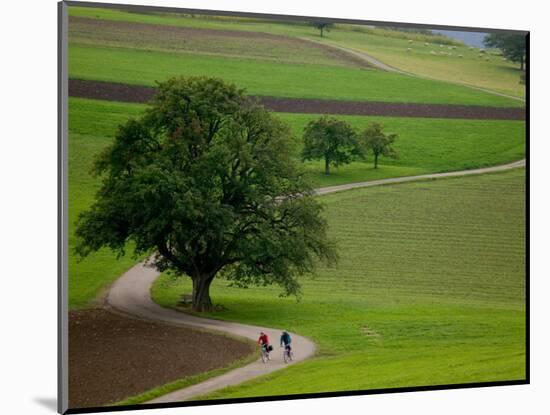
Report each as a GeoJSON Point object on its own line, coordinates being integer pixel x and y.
{"type": "Point", "coordinates": [376, 161]}
{"type": "Point", "coordinates": [327, 167]}
{"type": "Point", "coordinates": [321, 32]}
{"type": "Point", "coordinates": [201, 293]}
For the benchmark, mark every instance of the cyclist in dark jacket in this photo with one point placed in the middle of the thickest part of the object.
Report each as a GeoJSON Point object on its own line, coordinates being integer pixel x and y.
{"type": "Point", "coordinates": [286, 340]}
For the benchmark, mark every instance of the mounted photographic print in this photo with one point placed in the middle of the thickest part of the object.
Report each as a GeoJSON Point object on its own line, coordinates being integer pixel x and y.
{"type": "Point", "coordinates": [264, 207]}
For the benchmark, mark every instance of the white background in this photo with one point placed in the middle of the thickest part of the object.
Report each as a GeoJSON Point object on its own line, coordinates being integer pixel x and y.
{"type": "Point", "coordinates": [28, 68]}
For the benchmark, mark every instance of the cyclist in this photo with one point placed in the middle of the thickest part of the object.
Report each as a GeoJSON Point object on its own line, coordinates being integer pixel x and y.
{"type": "Point", "coordinates": [286, 340]}
{"type": "Point", "coordinates": [263, 341]}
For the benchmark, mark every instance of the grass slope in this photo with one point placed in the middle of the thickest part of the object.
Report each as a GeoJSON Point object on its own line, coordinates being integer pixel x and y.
{"type": "Point", "coordinates": [386, 45]}
{"type": "Point", "coordinates": [430, 290]}
{"type": "Point", "coordinates": [228, 43]}
{"type": "Point", "coordinates": [259, 77]}
{"type": "Point", "coordinates": [91, 127]}
{"type": "Point", "coordinates": [484, 70]}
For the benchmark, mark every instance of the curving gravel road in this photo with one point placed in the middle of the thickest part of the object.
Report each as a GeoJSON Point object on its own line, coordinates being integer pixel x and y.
{"type": "Point", "coordinates": [493, 169]}
{"type": "Point", "coordinates": [130, 294]}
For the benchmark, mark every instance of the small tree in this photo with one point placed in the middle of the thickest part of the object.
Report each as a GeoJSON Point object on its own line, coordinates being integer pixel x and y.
{"type": "Point", "coordinates": [374, 139]}
{"type": "Point", "coordinates": [512, 46]}
{"type": "Point", "coordinates": [330, 139]}
{"type": "Point", "coordinates": [205, 182]}
{"type": "Point", "coordinates": [322, 26]}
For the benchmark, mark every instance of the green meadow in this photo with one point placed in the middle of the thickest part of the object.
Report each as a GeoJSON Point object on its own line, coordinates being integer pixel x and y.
{"type": "Point", "coordinates": [91, 128]}
{"type": "Point", "coordinates": [429, 56]}
{"type": "Point", "coordinates": [430, 290]}
{"type": "Point", "coordinates": [223, 43]}
{"type": "Point", "coordinates": [458, 64]}
{"type": "Point", "coordinates": [141, 67]}
{"type": "Point", "coordinates": [426, 146]}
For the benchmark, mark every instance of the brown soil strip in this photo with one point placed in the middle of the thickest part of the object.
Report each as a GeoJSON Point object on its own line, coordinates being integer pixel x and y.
{"type": "Point", "coordinates": [109, 91]}
{"type": "Point", "coordinates": [113, 357]}
{"type": "Point", "coordinates": [141, 94]}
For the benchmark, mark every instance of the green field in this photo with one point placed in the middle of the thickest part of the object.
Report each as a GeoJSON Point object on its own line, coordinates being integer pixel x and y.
{"type": "Point", "coordinates": [485, 70]}
{"type": "Point", "coordinates": [390, 47]}
{"type": "Point", "coordinates": [430, 289]}
{"type": "Point", "coordinates": [91, 128]}
{"type": "Point", "coordinates": [140, 67]}
{"type": "Point", "coordinates": [225, 43]}
{"type": "Point", "coordinates": [425, 145]}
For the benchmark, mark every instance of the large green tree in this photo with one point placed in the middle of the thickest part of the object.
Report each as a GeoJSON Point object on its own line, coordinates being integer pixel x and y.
{"type": "Point", "coordinates": [512, 46]}
{"type": "Point", "coordinates": [204, 183]}
{"type": "Point", "coordinates": [379, 143]}
{"type": "Point", "coordinates": [330, 139]}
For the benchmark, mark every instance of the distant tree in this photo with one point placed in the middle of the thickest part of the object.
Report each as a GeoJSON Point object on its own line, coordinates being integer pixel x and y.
{"type": "Point", "coordinates": [375, 140]}
{"type": "Point", "coordinates": [512, 46]}
{"type": "Point", "coordinates": [206, 184]}
{"type": "Point", "coordinates": [330, 139]}
{"type": "Point", "coordinates": [322, 26]}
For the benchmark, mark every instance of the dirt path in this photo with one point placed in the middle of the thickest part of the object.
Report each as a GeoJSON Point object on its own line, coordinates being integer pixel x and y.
{"type": "Point", "coordinates": [371, 60]}
{"type": "Point", "coordinates": [131, 294]}
{"type": "Point", "coordinates": [111, 91]}
{"type": "Point", "coordinates": [494, 169]}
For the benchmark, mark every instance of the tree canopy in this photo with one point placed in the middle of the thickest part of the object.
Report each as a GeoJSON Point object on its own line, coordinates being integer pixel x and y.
{"type": "Point", "coordinates": [374, 139]}
{"type": "Point", "coordinates": [322, 26]}
{"type": "Point", "coordinates": [205, 184]}
{"type": "Point", "coordinates": [330, 139]}
{"type": "Point", "coordinates": [513, 46]}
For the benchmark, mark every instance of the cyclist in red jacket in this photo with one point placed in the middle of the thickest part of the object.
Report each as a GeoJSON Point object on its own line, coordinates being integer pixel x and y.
{"type": "Point", "coordinates": [263, 341]}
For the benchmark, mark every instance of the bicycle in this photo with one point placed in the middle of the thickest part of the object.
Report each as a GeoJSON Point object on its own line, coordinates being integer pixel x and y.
{"type": "Point", "coordinates": [264, 353]}
{"type": "Point", "coordinates": [288, 354]}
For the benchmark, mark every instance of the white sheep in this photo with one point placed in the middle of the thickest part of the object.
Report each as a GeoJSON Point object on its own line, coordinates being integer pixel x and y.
{"type": "Point", "coordinates": [426, 44]}
{"type": "Point", "coordinates": [410, 41]}
{"type": "Point", "coordinates": [409, 49]}
{"type": "Point", "coordinates": [460, 56]}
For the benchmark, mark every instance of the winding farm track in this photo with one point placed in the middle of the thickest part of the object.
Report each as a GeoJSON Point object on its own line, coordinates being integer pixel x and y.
{"type": "Point", "coordinates": [130, 294]}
